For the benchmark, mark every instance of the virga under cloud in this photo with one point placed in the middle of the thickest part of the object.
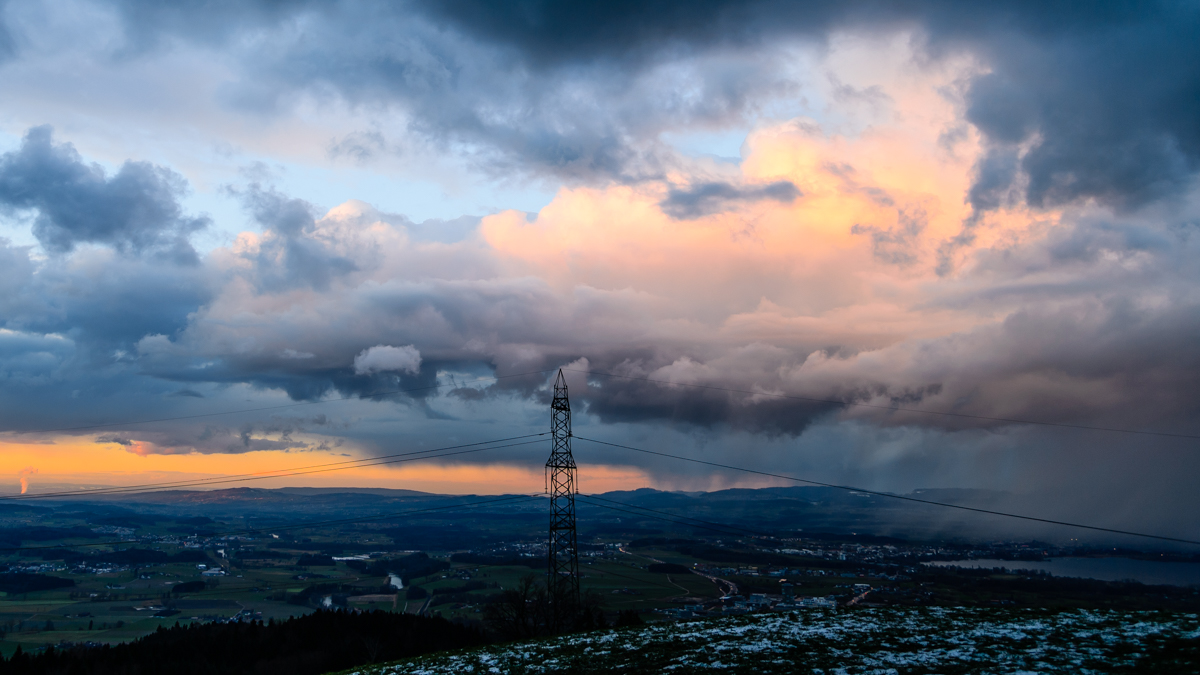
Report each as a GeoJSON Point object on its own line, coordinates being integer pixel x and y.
{"type": "Point", "coordinates": [986, 211]}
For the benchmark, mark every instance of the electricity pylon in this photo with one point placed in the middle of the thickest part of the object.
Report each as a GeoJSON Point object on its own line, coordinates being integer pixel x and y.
{"type": "Point", "coordinates": [563, 570]}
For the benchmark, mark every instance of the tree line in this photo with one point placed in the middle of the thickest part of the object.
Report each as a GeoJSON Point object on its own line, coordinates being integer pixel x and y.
{"type": "Point", "coordinates": [322, 642]}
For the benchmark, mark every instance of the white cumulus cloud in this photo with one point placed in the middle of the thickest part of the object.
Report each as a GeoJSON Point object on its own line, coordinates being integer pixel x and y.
{"type": "Point", "coordinates": [381, 358]}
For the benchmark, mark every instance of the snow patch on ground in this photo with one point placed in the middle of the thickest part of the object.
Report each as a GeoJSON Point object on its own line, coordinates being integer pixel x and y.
{"type": "Point", "coordinates": [882, 640]}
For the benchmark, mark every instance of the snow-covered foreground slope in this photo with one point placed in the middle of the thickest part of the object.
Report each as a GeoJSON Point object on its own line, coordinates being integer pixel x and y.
{"type": "Point", "coordinates": [926, 640]}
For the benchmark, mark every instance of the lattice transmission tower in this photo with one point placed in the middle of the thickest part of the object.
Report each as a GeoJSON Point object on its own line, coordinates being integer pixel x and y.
{"type": "Point", "coordinates": [563, 571]}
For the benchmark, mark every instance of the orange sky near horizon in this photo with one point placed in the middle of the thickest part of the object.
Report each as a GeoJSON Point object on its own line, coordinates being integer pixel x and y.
{"type": "Point", "coordinates": [82, 463]}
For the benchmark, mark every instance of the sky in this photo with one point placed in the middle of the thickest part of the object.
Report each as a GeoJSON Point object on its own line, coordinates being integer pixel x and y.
{"type": "Point", "coordinates": [857, 216]}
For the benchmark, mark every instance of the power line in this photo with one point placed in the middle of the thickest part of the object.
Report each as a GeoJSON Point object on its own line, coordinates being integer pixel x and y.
{"type": "Point", "coordinates": [262, 475]}
{"type": "Point", "coordinates": [359, 466]}
{"type": "Point", "coordinates": [377, 394]}
{"type": "Point", "coordinates": [297, 526]}
{"type": "Point", "coordinates": [900, 497]}
{"type": "Point", "coordinates": [1010, 420]}
{"type": "Point", "coordinates": [285, 475]}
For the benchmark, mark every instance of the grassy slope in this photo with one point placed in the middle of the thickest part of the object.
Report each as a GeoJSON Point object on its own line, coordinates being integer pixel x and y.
{"type": "Point", "coordinates": [933, 640]}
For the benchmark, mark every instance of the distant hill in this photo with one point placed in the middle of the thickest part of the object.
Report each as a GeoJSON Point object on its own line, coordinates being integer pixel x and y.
{"type": "Point", "coordinates": [382, 492]}
{"type": "Point", "coordinates": [813, 511]}
{"type": "Point", "coordinates": [266, 496]}
{"type": "Point", "coordinates": [293, 494]}
{"type": "Point", "coordinates": [795, 511]}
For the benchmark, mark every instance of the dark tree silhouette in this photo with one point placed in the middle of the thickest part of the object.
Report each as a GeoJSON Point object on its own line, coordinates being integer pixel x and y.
{"type": "Point", "coordinates": [318, 643]}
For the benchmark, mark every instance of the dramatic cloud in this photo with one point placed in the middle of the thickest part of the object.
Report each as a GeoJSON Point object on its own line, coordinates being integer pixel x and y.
{"type": "Point", "coordinates": [291, 256]}
{"type": "Point", "coordinates": [136, 210]}
{"type": "Point", "coordinates": [1090, 115]}
{"type": "Point", "coordinates": [874, 239]}
{"type": "Point", "coordinates": [290, 434]}
{"type": "Point", "coordinates": [1105, 95]}
{"type": "Point", "coordinates": [763, 296]}
{"type": "Point", "coordinates": [1095, 102]}
{"type": "Point", "coordinates": [101, 301]}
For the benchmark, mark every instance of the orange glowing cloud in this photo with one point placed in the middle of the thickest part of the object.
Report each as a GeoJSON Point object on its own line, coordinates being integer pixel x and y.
{"type": "Point", "coordinates": [852, 259]}
{"type": "Point", "coordinates": [836, 228]}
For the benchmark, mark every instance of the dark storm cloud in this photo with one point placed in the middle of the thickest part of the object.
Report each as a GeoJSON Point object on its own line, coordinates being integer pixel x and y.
{"type": "Point", "coordinates": [1090, 347]}
{"type": "Point", "coordinates": [105, 305]}
{"type": "Point", "coordinates": [460, 91]}
{"type": "Point", "coordinates": [217, 439]}
{"type": "Point", "coordinates": [1110, 114]}
{"type": "Point", "coordinates": [311, 384]}
{"type": "Point", "coordinates": [1063, 359]}
{"type": "Point", "coordinates": [32, 360]}
{"type": "Point", "coordinates": [1101, 98]}
{"type": "Point", "coordinates": [620, 400]}
{"type": "Point", "coordinates": [552, 32]}
{"type": "Point", "coordinates": [1088, 324]}
{"type": "Point", "coordinates": [1110, 91]}
{"type": "Point", "coordinates": [707, 198]}
{"type": "Point", "coordinates": [1092, 103]}
{"type": "Point", "coordinates": [136, 210]}
{"type": "Point", "coordinates": [1093, 347]}
{"type": "Point", "coordinates": [1087, 329]}
{"type": "Point", "coordinates": [994, 178]}
{"type": "Point", "coordinates": [102, 300]}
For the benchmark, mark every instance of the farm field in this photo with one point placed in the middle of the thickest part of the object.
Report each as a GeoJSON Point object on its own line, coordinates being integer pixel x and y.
{"type": "Point", "coordinates": [124, 602]}
{"type": "Point", "coordinates": [106, 573]}
{"type": "Point", "coordinates": [123, 605]}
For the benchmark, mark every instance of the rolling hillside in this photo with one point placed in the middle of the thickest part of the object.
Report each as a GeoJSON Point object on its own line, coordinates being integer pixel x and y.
{"type": "Point", "coordinates": [934, 640]}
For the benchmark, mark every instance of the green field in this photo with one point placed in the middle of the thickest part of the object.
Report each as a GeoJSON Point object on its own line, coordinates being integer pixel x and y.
{"type": "Point", "coordinates": [618, 584]}
{"type": "Point", "coordinates": [121, 606]}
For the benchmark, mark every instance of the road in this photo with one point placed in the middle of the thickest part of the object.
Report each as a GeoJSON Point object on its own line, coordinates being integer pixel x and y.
{"type": "Point", "coordinates": [726, 586]}
{"type": "Point", "coordinates": [860, 596]}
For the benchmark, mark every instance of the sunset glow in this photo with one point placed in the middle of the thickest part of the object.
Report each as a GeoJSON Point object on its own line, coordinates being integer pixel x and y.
{"type": "Point", "coordinates": [900, 249]}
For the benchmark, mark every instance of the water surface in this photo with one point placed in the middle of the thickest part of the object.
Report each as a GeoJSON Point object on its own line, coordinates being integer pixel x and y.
{"type": "Point", "coordinates": [1104, 569]}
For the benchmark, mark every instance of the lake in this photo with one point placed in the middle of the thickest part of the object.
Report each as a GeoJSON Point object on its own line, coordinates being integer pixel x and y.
{"type": "Point", "coordinates": [1104, 569]}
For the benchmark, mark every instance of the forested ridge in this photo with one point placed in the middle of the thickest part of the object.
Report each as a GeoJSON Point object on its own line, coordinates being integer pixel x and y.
{"type": "Point", "coordinates": [310, 645]}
